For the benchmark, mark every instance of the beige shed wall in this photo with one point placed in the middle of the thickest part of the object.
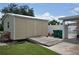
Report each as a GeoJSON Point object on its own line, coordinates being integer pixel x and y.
{"type": "Point", "coordinates": [25, 28]}
{"type": "Point", "coordinates": [9, 19]}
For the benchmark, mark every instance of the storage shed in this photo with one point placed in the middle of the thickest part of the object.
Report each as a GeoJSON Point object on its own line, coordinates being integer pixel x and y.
{"type": "Point", "coordinates": [21, 26]}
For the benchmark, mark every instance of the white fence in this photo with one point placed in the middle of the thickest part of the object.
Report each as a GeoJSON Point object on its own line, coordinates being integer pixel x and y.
{"type": "Point", "coordinates": [71, 30]}
{"type": "Point", "coordinates": [54, 27]}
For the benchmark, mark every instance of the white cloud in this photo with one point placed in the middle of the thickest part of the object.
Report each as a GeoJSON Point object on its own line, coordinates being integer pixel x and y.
{"type": "Point", "coordinates": [49, 16]}
{"type": "Point", "coordinates": [1, 14]}
{"type": "Point", "coordinates": [46, 15]}
{"type": "Point", "coordinates": [0, 17]}
{"type": "Point", "coordinates": [75, 10]}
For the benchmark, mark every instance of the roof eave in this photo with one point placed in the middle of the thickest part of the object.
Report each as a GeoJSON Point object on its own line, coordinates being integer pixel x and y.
{"type": "Point", "coordinates": [17, 15]}
{"type": "Point", "coordinates": [70, 18]}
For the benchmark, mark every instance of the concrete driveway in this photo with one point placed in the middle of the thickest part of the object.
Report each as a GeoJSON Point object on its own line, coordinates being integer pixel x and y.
{"type": "Point", "coordinates": [65, 48]}
{"type": "Point", "coordinates": [47, 41]}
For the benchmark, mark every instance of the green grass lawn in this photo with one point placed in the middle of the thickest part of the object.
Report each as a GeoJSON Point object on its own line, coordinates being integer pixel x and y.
{"type": "Point", "coordinates": [25, 49]}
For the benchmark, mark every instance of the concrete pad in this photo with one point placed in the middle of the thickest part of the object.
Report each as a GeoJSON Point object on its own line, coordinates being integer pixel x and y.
{"type": "Point", "coordinates": [48, 41]}
{"type": "Point", "coordinates": [65, 48]}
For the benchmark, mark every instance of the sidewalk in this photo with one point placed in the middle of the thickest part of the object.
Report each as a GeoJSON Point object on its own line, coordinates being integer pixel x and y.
{"type": "Point", "coordinates": [65, 48]}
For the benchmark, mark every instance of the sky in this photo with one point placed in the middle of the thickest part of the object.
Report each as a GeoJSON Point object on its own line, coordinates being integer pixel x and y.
{"type": "Point", "coordinates": [51, 10]}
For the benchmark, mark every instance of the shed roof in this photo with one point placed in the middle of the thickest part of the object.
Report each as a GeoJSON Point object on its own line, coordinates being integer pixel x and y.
{"type": "Point", "coordinates": [24, 16]}
{"type": "Point", "coordinates": [70, 18]}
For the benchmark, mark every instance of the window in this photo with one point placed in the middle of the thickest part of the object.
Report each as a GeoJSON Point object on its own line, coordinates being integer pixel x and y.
{"type": "Point", "coordinates": [7, 24]}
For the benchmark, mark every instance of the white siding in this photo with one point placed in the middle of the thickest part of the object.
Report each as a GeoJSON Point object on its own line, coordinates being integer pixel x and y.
{"type": "Point", "coordinates": [22, 27]}
{"type": "Point", "coordinates": [10, 29]}
{"type": "Point", "coordinates": [25, 27]}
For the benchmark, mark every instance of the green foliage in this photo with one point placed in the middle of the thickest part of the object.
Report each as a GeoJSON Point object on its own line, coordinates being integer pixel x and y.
{"type": "Point", "coordinates": [14, 8]}
{"type": "Point", "coordinates": [53, 22]}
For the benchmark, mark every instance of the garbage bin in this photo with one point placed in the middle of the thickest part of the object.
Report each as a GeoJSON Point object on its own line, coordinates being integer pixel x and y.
{"type": "Point", "coordinates": [57, 33]}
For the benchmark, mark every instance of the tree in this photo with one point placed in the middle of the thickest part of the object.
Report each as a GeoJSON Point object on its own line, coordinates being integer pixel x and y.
{"type": "Point", "coordinates": [53, 22]}
{"type": "Point", "coordinates": [30, 12]}
{"type": "Point", "coordinates": [14, 8]}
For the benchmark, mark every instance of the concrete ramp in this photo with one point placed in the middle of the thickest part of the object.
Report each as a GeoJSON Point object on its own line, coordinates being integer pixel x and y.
{"type": "Point", "coordinates": [47, 41]}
